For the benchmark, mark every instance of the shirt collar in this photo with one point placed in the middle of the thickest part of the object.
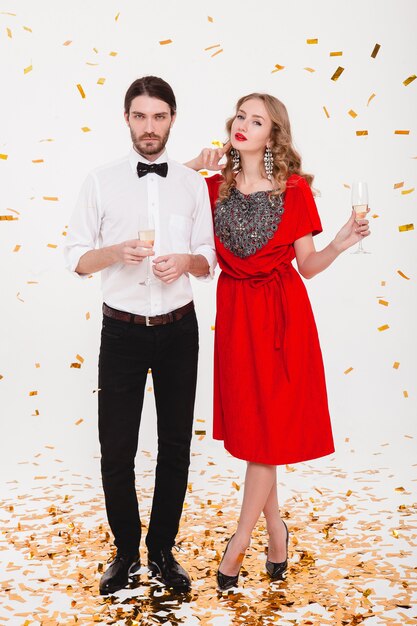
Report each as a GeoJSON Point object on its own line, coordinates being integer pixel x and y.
{"type": "Point", "coordinates": [135, 157]}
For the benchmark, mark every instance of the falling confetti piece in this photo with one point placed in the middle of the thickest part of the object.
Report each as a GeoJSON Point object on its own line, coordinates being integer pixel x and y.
{"type": "Point", "coordinates": [361, 133]}
{"type": "Point", "coordinates": [203, 172]}
{"type": "Point", "coordinates": [212, 328]}
{"type": "Point", "coordinates": [402, 275]}
{"type": "Point", "coordinates": [384, 327]}
{"type": "Point", "coordinates": [14, 211]}
{"type": "Point", "coordinates": [36, 413]}
{"type": "Point", "coordinates": [87, 316]}
{"type": "Point", "coordinates": [85, 129]}
{"type": "Point", "coordinates": [37, 365]}
{"type": "Point", "coordinates": [101, 81]}
{"type": "Point", "coordinates": [95, 50]}
{"type": "Point", "coordinates": [409, 80]}
{"type": "Point", "coordinates": [75, 365]}
{"type": "Point", "coordinates": [210, 19]}
{"type": "Point", "coordinates": [309, 69]}
{"type": "Point", "coordinates": [350, 369]}
{"type": "Point", "coordinates": [78, 422]}
{"type": "Point", "coordinates": [81, 90]}
{"type": "Point", "coordinates": [18, 297]}
{"type": "Point", "coordinates": [8, 218]}
{"type": "Point", "coordinates": [38, 161]}
{"type": "Point", "coordinates": [374, 215]}
{"type": "Point", "coordinates": [398, 185]}
{"type": "Point", "coordinates": [405, 394]}
{"type": "Point", "coordinates": [91, 64]}
{"type": "Point", "coordinates": [79, 358]}
{"type": "Point", "coordinates": [217, 52]}
{"type": "Point", "coordinates": [289, 468]}
{"type": "Point", "coordinates": [164, 42]}
{"type": "Point", "coordinates": [67, 43]}
{"type": "Point", "coordinates": [338, 73]}
{"type": "Point", "coordinates": [33, 393]}
{"type": "Point", "coordinates": [312, 41]}
{"type": "Point", "coordinates": [383, 302]}
{"type": "Point", "coordinates": [352, 113]}
{"type": "Point", "coordinates": [236, 486]}
{"type": "Point", "coordinates": [51, 198]}
{"type": "Point", "coordinates": [9, 33]}
{"type": "Point", "coordinates": [336, 54]}
{"type": "Point", "coordinates": [401, 132]}
{"type": "Point", "coordinates": [218, 144]}
{"type": "Point", "coordinates": [406, 191]}
{"type": "Point", "coordinates": [216, 45]}
{"type": "Point", "coordinates": [396, 365]}
{"type": "Point", "coordinates": [4, 157]}
{"type": "Point", "coordinates": [405, 227]}
{"type": "Point", "coordinates": [16, 248]}
{"type": "Point", "coordinates": [375, 50]}
{"type": "Point", "coordinates": [371, 97]}
{"type": "Point", "coordinates": [349, 492]}
{"type": "Point", "coordinates": [28, 69]}
{"type": "Point", "coordinates": [327, 114]}
{"type": "Point", "coordinates": [278, 67]}
{"type": "Point", "coordinates": [51, 245]}
{"type": "Point", "coordinates": [113, 54]}
{"type": "Point", "coordinates": [200, 432]}
{"type": "Point", "coordinates": [117, 17]}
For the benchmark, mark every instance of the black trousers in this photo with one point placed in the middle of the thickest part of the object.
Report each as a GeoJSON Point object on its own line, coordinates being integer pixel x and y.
{"type": "Point", "coordinates": [127, 352]}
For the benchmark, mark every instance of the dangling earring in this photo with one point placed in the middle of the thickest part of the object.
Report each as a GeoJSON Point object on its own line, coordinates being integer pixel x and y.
{"type": "Point", "coordinates": [236, 159]}
{"type": "Point", "coordinates": [269, 162]}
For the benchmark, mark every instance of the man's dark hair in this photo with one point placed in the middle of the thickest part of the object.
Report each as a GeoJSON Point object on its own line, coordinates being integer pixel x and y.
{"type": "Point", "coordinates": [153, 87]}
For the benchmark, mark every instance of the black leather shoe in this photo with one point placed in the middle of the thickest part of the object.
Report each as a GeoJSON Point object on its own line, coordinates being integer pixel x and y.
{"type": "Point", "coordinates": [118, 572]}
{"type": "Point", "coordinates": [163, 565]}
{"type": "Point", "coordinates": [277, 571]}
{"type": "Point", "coordinates": [224, 581]}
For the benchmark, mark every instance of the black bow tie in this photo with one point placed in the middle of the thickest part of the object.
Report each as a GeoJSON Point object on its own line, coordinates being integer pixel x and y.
{"type": "Point", "coordinates": [158, 168]}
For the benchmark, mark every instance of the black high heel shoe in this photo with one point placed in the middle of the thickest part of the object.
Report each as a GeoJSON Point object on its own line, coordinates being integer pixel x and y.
{"type": "Point", "coordinates": [224, 581]}
{"type": "Point", "coordinates": [277, 571]}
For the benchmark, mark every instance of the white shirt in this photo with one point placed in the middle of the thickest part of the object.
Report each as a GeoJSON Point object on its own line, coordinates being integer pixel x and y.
{"type": "Point", "coordinates": [114, 203]}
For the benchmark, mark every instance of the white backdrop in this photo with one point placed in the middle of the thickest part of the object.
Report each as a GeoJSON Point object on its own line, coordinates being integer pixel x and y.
{"type": "Point", "coordinates": [43, 313]}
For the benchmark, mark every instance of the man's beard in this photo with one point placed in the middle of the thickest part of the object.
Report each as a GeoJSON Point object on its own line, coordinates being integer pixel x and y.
{"type": "Point", "coordinates": [146, 147]}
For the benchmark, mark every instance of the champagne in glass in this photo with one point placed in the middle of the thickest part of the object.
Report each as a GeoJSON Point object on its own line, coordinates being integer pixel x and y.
{"type": "Point", "coordinates": [360, 206]}
{"type": "Point", "coordinates": [147, 235]}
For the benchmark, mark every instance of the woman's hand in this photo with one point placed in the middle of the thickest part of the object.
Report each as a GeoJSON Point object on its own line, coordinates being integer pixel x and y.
{"type": "Point", "coordinates": [351, 233]}
{"type": "Point", "coordinates": [209, 159]}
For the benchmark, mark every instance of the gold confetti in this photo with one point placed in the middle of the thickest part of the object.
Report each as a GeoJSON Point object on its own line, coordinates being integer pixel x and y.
{"type": "Point", "coordinates": [79, 358]}
{"type": "Point", "coordinates": [28, 69]}
{"type": "Point", "coordinates": [312, 41]}
{"type": "Point", "coordinates": [75, 365]}
{"type": "Point", "coordinates": [29, 30]}
{"type": "Point", "coordinates": [409, 80]}
{"type": "Point", "coordinates": [375, 50]}
{"type": "Point", "coordinates": [8, 218]}
{"type": "Point", "coordinates": [371, 97]}
{"type": "Point", "coordinates": [67, 43]}
{"type": "Point", "coordinates": [1, 376]}
{"type": "Point", "coordinates": [350, 369]}
{"type": "Point", "coordinates": [216, 45]}
{"type": "Point", "coordinates": [278, 68]}
{"type": "Point", "coordinates": [87, 315]}
{"type": "Point", "coordinates": [401, 132]}
{"type": "Point", "coordinates": [85, 129]}
{"type": "Point", "coordinates": [117, 17]}
{"type": "Point", "coordinates": [352, 113]}
{"type": "Point", "coordinates": [383, 302]}
{"type": "Point", "coordinates": [396, 365]}
{"type": "Point", "coordinates": [37, 365]}
{"type": "Point", "coordinates": [338, 73]}
{"type": "Point", "coordinates": [9, 33]}
{"type": "Point", "coordinates": [16, 248]}
{"type": "Point", "coordinates": [217, 52]}
{"type": "Point", "coordinates": [289, 468]}
{"type": "Point", "coordinates": [113, 54]}
{"type": "Point", "coordinates": [309, 69]}
{"type": "Point", "coordinates": [18, 297]}
{"type": "Point", "coordinates": [92, 64]}
{"type": "Point", "coordinates": [375, 215]}
{"type": "Point", "coordinates": [51, 245]}
{"type": "Point", "coordinates": [210, 19]}
{"type": "Point", "coordinates": [398, 185]}
{"type": "Point", "coordinates": [218, 144]}
{"type": "Point", "coordinates": [384, 327]}
{"type": "Point", "coordinates": [406, 191]}
{"type": "Point", "coordinates": [78, 422]}
{"type": "Point", "coordinates": [33, 393]}
{"type": "Point", "coordinates": [405, 227]}
{"type": "Point", "coordinates": [4, 157]}
{"type": "Point", "coordinates": [405, 394]}
{"type": "Point", "coordinates": [361, 133]}
{"type": "Point", "coordinates": [402, 275]}
{"type": "Point", "coordinates": [212, 328]}
{"type": "Point", "coordinates": [50, 198]}
{"type": "Point", "coordinates": [101, 81]}
{"type": "Point", "coordinates": [14, 211]}
{"type": "Point", "coordinates": [38, 161]}
{"type": "Point", "coordinates": [200, 432]}
{"type": "Point", "coordinates": [327, 114]}
{"type": "Point", "coordinates": [81, 90]}
{"type": "Point", "coordinates": [349, 492]}
{"type": "Point", "coordinates": [164, 42]}
{"type": "Point", "coordinates": [36, 413]}
{"type": "Point", "coordinates": [95, 50]}
{"type": "Point", "coordinates": [203, 172]}
{"type": "Point", "coordinates": [336, 54]}
{"type": "Point", "coordinates": [236, 486]}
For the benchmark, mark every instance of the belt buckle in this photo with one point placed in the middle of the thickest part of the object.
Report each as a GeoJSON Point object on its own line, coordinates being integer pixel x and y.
{"type": "Point", "coordinates": [147, 322]}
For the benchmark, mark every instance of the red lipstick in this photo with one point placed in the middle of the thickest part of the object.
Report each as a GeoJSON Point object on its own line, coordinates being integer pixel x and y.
{"type": "Point", "coordinates": [240, 137]}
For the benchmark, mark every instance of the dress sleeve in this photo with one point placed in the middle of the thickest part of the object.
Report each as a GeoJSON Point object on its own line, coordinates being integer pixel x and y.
{"type": "Point", "coordinates": [307, 218]}
{"type": "Point", "coordinates": [213, 184]}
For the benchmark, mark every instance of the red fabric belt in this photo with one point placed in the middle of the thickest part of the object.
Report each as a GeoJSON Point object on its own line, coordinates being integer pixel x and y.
{"type": "Point", "coordinates": [155, 320]}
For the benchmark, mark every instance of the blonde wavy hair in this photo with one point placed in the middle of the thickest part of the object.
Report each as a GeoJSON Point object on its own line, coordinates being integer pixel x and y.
{"type": "Point", "coordinates": [286, 160]}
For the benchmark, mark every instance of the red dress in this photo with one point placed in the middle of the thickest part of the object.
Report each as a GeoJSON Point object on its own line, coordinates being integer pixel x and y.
{"type": "Point", "coordinates": [270, 400]}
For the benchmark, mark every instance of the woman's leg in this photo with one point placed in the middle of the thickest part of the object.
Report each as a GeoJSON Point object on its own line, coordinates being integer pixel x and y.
{"type": "Point", "coordinates": [259, 482]}
{"type": "Point", "coordinates": [277, 550]}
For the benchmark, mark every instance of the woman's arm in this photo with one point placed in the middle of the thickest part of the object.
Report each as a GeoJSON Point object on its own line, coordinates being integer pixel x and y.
{"type": "Point", "coordinates": [310, 262]}
{"type": "Point", "coordinates": [209, 159]}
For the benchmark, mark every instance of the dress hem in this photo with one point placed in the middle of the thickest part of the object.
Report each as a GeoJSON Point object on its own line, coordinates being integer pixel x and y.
{"type": "Point", "coordinates": [286, 462]}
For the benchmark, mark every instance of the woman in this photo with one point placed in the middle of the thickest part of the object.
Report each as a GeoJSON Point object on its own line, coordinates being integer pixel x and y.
{"type": "Point", "coordinates": [270, 401]}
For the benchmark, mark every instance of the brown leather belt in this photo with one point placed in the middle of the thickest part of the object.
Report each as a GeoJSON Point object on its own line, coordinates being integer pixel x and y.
{"type": "Point", "coordinates": [156, 320]}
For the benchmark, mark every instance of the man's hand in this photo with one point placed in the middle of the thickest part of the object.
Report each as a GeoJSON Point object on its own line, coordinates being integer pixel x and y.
{"type": "Point", "coordinates": [133, 252]}
{"type": "Point", "coordinates": [170, 267]}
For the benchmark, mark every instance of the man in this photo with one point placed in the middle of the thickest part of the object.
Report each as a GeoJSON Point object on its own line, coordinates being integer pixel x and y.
{"type": "Point", "coordinates": [146, 323]}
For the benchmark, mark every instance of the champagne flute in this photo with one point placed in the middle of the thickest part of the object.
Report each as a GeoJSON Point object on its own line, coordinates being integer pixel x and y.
{"type": "Point", "coordinates": [360, 206]}
{"type": "Point", "coordinates": [147, 235]}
